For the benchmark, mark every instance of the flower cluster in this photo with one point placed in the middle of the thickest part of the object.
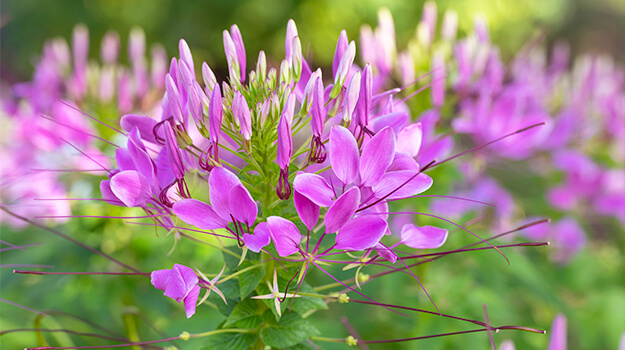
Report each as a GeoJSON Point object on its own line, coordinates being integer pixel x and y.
{"type": "Point", "coordinates": [48, 117]}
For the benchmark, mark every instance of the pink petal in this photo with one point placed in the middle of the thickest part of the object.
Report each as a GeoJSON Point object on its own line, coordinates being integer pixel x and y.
{"type": "Point", "coordinates": [307, 210]}
{"type": "Point", "coordinates": [108, 195]}
{"type": "Point", "coordinates": [220, 182]}
{"type": "Point", "coordinates": [360, 233]}
{"type": "Point", "coordinates": [259, 239]}
{"type": "Point", "coordinates": [557, 340]}
{"type": "Point", "coordinates": [409, 139]}
{"type": "Point", "coordinates": [198, 214]}
{"type": "Point", "coordinates": [131, 188]}
{"type": "Point", "coordinates": [285, 235]}
{"type": "Point", "coordinates": [377, 156]}
{"type": "Point", "coordinates": [159, 278]}
{"type": "Point", "coordinates": [344, 155]}
{"type": "Point", "coordinates": [403, 161]}
{"type": "Point", "coordinates": [143, 123]}
{"type": "Point", "coordinates": [315, 188]}
{"type": "Point", "coordinates": [405, 183]}
{"type": "Point", "coordinates": [425, 237]}
{"type": "Point", "coordinates": [342, 210]}
{"type": "Point", "coordinates": [190, 301]}
{"type": "Point", "coordinates": [394, 120]}
{"type": "Point", "coordinates": [386, 253]}
{"type": "Point", "coordinates": [242, 205]}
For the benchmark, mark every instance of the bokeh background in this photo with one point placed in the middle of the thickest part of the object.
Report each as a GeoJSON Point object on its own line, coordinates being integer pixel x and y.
{"type": "Point", "coordinates": [589, 290]}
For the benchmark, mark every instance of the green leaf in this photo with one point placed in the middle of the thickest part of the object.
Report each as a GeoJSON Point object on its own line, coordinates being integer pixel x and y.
{"type": "Point", "coordinates": [249, 280]}
{"type": "Point", "coordinates": [247, 314]}
{"type": "Point", "coordinates": [301, 346]}
{"type": "Point", "coordinates": [230, 289]}
{"type": "Point", "coordinates": [303, 304]}
{"type": "Point", "coordinates": [289, 331]}
{"type": "Point", "coordinates": [230, 341]}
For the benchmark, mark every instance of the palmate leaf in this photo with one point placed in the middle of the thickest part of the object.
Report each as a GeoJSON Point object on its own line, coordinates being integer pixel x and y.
{"type": "Point", "coordinates": [291, 330]}
{"type": "Point", "coordinates": [230, 341]}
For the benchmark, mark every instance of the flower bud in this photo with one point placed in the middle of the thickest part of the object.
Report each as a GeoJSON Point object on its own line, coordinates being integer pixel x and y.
{"type": "Point", "coordinates": [208, 76]}
{"type": "Point", "coordinates": [110, 47]}
{"type": "Point", "coordinates": [291, 33]}
{"type": "Point", "coordinates": [261, 67]}
{"type": "Point", "coordinates": [343, 69]}
{"type": "Point", "coordinates": [450, 25]}
{"type": "Point", "coordinates": [159, 66]}
{"type": "Point", "coordinates": [351, 98]}
{"type": "Point", "coordinates": [297, 59]}
{"type": "Point", "coordinates": [341, 47]}
{"type": "Point", "coordinates": [285, 72]}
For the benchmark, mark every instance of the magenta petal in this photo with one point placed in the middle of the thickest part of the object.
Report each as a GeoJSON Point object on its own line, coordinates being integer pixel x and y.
{"type": "Point", "coordinates": [285, 235]}
{"type": "Point", "coordinates": [220, 182]}
{"type": "Point", "coordinates": [315, 188]}
{"type": "Point", "coordinates": [108, 195]}
{"type": "Point", "coordinates": [144, 124]}
{"type": "Point", "coordinates": [409, 139]}
{"type": "Point", "coordinates": [307, 210]}
{"type": "Point", "coordinates": [198, 214]}
{"type": "Point", "coordinates": [344, 155]}
{"type": "Point", "coordinates": [557, 340]}
{"type": "Point", "coordinates": [159, 278]}
{"type": "Point", "coordinates": [259, 239]}
{"type": "Point", "coordinates": [394, 120]}
{"type": "Point", "coordinates": [242, 205]}
{"type": "Point", "coordinates": [342, 210]}
{"type": "Point", "coordinates": [131, 188]}
{"type": "Point", "coordinates": [403, 161]}
{"type": "Point", "coordinates": [360, 233]}
{"type": "Point", "coordinates": [181, 281]}
{"type": "Point", "coordinates": [385, 252]}
{"type": "Point", "coordinates": [425, 237]}
{"type": "Point", "coordinates": [377, 156]}
{"type": "Point", "coordinates": [190, 301]}
{"type": "Point", "coordinates": [404, 183]}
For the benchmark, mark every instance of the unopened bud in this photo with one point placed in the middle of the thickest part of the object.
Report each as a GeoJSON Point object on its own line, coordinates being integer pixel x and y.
{"type": "Point", "coordinates": [285, 72]}
{"type": "Point", "coordinates": [351, 341]}
{"type": "Point", "coordinates": [343, 298]}
{"type": "Point", "coordinates": [297, 59]}
{"type": "Point", "coordinates": [261, 67]}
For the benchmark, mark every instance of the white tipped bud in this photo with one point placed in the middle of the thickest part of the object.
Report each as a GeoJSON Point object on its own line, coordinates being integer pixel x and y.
{"type": "Point", "coordinates": [450, 25]}
{"type": "Point", "coordinates": [209, 77]}
{"type": "Point", "coordinates": [285, 72]}
{"type": "Point", "coordinates": [261, 67]}
{"type": "Point", "coordinates": [343, 69]}
{"type": "Point", "coordinates": [351, 98]}
{"type": "Point", "coordinates": [297, 59]}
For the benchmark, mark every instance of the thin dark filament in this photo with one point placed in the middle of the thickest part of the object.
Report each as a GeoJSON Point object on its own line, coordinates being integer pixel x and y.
{"type": "Point", "coordinates": [62, 331]}
{"type": "Point", "coordinates": [474, 149]}
{"type": "Point", "coordinates": [81, 273]}
{"type": "Point", "coordinates": [106, 346]}
{"type": "Point", "coordinates": [286, 290]}
{"type": "Point", "coordinates": [489, 329]}
{"type": "Point", "coordinates": [84, 154]}
{"type": "Point", "coordinates": [23, 307]}
{"type": "Point", "coordinates": [354, 290]}
{"type": "Point", "coordinates": [60, 234]}
{"type": "Point", "coordinates": [96, 119]}
{"type": "Point", "coordinates": [444, 335]}
{"type": "Point", "coordinates": [29, 265]}
{"type": "Point", "coordinates": [352, 331]}
{"type": "Point", "coordinates": [80, 131]}
{"type": "Point", "coordinates": [20, 247]}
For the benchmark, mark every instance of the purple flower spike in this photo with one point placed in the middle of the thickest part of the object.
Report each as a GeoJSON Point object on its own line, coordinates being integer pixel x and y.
{"type": "Point", "coordinates": [198, 214]}
{"type": "Point", "coordinates": [341, 46]}
{"type": "Point", "coordinates": [240, 48]}
{"type": "Point", "coordinates": [345, 64]}
{"type": "Point", "coordinates": [344, 155]}
{"type": "Point", "coordinates": [377, 156]}
{"type": "Point", "coordinates": [242, 205]}
{"type": "Point", "coordinates": [557, 340]}
{"type": "Point", "coordinates": [131, 187]}
{"type": "Point", "coordinates": [180, 284]}
{"type": "Point", "coordinates": [215, 114]}
{"type": "Point", "coordinates": [185, 55]}
{"type": "Point", "coordinates": [284, 234]}
{"type": "Point", "coordinates": [424, 237]}
{"type": "Point", "coordinates": [342, 210]}
{"type": "Point", "coordinates": [208, 76]}
{"type": "Point", "coordinates": [315, 188]}
{"type": "Point", "coordinates": [360, 233]}
{"type": "Point", "coordinates": [260, 239]}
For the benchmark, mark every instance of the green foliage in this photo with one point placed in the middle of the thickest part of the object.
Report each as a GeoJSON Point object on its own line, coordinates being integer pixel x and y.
{"type": "Point", "coordinates": [230, 341]}
{"type": "Point", "coordinates": [289, 331]}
